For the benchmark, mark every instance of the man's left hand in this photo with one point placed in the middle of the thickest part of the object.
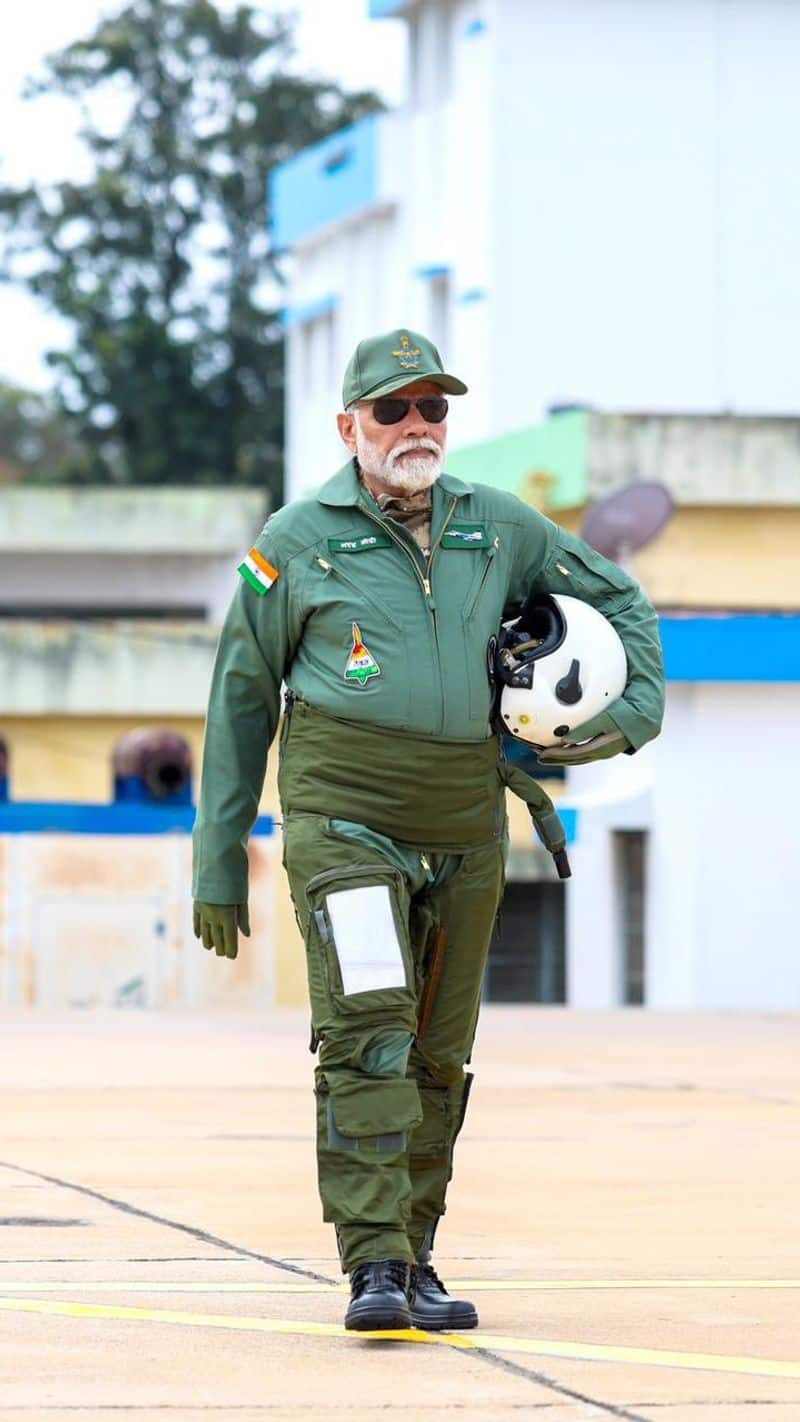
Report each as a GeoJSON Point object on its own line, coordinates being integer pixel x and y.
{"type": "Point", "coordinates": [599, 738]}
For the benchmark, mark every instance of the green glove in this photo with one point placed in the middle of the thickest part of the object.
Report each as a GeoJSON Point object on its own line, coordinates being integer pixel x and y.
{"type": "Point", "coordinates": [217, 925]}
{"type": "Point", "coordinates": [601, 738]}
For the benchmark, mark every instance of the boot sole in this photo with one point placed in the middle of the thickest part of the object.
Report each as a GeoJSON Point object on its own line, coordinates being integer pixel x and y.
{"type": "Point", "coordinates": [378, 1321]}
{"type": "Point", "coordinates": [451, 1325]}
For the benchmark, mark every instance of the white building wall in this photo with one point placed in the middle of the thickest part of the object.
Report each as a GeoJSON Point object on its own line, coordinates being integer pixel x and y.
{"type": "Point", "coordinates": [759, 49]}
{"type": "Point", "coordinates": [384, 267]}
{"type": "Point", "coordinates": [605, 282]}
{"type": "Point", "coordinates": [734, 773]}
{"type": "Point", "coordinates": [611, 187]}
{"type": "Point", "coordinates": [609, 796]}
{"type": "Point", "coordinates": [717, 794]}
{"type": "Point", "coordinates": [644, 169]}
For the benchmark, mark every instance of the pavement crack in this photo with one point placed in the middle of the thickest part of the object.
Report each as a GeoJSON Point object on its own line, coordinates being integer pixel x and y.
{"type": "Point", "coordinates": [543, 1380]}
{"type": "Point", "coordinates": [201, 1235]}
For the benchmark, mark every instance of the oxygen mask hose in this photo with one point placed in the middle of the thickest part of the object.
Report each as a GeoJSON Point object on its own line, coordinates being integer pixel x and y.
{"type": "Point", "coordinates": [546, 820]}
{"type": "Point", "coordinates": [551, 832]}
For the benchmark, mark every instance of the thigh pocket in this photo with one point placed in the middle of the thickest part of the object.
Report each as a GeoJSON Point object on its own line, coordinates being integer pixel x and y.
{"type": "Point", "coordinates": [358, 941]}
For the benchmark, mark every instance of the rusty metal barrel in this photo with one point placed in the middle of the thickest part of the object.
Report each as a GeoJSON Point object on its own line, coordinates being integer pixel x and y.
{"type": "Point", "coordinates": [153, 763]}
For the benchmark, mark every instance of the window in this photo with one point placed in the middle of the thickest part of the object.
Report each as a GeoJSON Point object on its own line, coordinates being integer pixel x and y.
{"type": "Point", "coordinates": [527, 956]}
{"type": "Point", "coordinates": [630, 847]}
{"type": "Point", "coordinates": [439, 311]}
{"type": "Point", "coordinates": [318, 353]}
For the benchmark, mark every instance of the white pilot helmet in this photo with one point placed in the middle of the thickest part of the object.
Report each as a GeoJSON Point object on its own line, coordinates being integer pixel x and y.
{"type": "Point", "coordinates": [558, 664]}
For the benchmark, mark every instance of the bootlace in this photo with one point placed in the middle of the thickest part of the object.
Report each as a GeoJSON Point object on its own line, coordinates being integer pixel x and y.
{"type": "Point", "coordinates": [430, 1276]}
{"type": "Point", "coordinates": [392, 1273]}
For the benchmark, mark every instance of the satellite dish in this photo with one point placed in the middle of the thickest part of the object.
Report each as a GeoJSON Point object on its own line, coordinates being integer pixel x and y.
{"type": "Point", "coordinates": [628, 519]}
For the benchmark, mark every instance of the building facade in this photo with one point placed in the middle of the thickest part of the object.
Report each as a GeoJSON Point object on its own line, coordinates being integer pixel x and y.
{"type": "Point", "coordinates": [111, 602]}
{"type": "Point", "coordinates": [582, 201]}
{"type": "Point", "coordinates": [590, 206]}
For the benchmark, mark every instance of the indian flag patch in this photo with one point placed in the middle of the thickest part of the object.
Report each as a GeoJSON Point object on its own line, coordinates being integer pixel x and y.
{"type": "Point", "coordinates": [361, 664]}
{"type": "Point", "coordinates": [258, 572]}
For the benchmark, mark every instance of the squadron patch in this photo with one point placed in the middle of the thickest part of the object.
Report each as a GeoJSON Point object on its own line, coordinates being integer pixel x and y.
{"type": "Point", "coordinates": [361, 664]}
{"type": "Point", "coordinates": [258, 572]}
{"type": "Point", "coordinates": [466, 535]}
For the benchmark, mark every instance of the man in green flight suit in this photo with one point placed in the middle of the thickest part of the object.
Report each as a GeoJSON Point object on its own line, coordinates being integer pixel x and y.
{"type": "Point", "coordinates": [374, 599]}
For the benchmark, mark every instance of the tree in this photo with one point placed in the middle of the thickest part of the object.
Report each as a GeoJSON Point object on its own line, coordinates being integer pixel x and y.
{"type": "Point", "coordinates": [160, 262]}
{"type": "Point", "coordinates": [37, 442]}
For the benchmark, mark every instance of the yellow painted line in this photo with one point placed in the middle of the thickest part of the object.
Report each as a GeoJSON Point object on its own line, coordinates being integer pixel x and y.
{"type": "Point", "coordinates": [649, 1357]}
{"type": "Point", "coordinates": [220, 1320]}
{"type": "Point", "coordinates": [539, 1347]}
{"type": "Point", "coordinates": [483, 1286]}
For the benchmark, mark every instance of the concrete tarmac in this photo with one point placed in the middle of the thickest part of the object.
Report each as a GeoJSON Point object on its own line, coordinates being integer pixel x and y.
{"type": "Point", "coordinates": [624, 1214]}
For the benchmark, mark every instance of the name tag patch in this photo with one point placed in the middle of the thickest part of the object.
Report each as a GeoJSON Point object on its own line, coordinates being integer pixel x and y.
{"type": "Point", "coordinates": [466, 535]}
{"type": "Point", "coordinates": [363, 543]}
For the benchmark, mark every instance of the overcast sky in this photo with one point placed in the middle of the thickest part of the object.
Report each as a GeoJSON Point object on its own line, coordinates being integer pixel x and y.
{"type": "Point", "coordinates": [335, 39]}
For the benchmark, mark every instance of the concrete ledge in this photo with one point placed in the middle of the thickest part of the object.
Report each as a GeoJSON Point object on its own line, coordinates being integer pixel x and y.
{"type": "Point", "coordinates": [130, 520]}
{"type": "Point", "coordinates": [116, 667]}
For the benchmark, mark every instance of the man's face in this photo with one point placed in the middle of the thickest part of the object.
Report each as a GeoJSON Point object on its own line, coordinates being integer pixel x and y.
{"type": "Point", "coordinates": [404, 457]}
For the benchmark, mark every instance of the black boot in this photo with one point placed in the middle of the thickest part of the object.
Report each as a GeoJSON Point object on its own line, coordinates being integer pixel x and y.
{"type": "Point", "coordinates": [432, 1307]}
{"type": "Point", "coordinates": [379, 1296]}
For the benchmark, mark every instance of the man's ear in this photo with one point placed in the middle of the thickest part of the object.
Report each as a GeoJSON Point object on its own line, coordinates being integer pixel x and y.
{"type": "Point", "coordinates": [347, 430]}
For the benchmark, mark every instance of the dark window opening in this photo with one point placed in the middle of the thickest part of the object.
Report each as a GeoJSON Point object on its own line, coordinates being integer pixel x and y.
{"type": "Point", "coordinates": [630, 847]}
{"type": "Point", "coordinates": [527, 956]}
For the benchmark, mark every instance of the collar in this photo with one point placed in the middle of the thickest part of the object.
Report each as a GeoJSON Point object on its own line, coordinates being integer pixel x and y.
{"type": "Point", "coordinates": [344, 489]}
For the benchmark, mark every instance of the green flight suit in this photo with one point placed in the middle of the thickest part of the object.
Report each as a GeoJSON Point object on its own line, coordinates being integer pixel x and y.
{"type": "Point", "coordinates": [392, 792]}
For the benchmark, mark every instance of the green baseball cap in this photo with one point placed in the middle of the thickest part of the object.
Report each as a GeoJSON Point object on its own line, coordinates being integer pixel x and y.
{"type": "Point", "coordinates": [381, 364]}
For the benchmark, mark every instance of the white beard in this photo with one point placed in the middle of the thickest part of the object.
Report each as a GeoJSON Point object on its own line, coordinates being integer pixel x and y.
{"type": "Point", "coordinates": [402, 475]}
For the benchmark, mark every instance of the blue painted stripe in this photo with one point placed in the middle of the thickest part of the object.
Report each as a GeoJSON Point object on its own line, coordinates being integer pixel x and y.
{"type": "Point", "coordinates": [298, 315]}
{"type": "Point", "coordinates": [431, 272]}
{"type": "Point", "coordinates": [475, 293]}
{"type": "Point", "coordinates": [132, 790]}
{"type": "Point", "coordinates": [732, 647]}
{"type": "Point", "coordinates": [41, 817]}
{"type": "Point", "coordinates": [569, 819]}
{"type": "Point", "coordinates": [379, 9]}
{"type": "Point", "coordinates": [324, 183]}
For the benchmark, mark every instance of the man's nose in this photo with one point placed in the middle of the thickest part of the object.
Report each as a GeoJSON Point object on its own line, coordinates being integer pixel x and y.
{"type": "Point", "coordinates": [414, 424]}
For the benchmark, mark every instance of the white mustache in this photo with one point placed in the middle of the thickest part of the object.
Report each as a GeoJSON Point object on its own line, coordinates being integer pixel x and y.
{"type": "Point", "coordinates": [412, 445]}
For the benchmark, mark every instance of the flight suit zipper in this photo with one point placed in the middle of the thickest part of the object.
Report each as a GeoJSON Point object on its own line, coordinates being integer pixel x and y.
{"type": "Point", "coordinates": [425, 584]}
{"type": "Point", "coordinates": [490, 553]}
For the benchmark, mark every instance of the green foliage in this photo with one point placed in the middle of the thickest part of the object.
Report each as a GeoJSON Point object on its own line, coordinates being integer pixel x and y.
{"type": "Point", "coordinates": [160, 261]}
{"type": "Point", "coordinates": [37, 441]}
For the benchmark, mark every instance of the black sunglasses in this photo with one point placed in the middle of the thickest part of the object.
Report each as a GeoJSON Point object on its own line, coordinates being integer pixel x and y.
{"type": "Point", "coordinates": [391, 409]}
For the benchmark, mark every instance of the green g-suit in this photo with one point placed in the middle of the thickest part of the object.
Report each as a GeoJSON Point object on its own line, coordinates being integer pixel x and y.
{"type": "Point", "coordinates": [392, 790]}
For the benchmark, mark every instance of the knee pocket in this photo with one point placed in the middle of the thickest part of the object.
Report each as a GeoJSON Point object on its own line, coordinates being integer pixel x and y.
{"type": "Point", "coordinates": [372, 1115]}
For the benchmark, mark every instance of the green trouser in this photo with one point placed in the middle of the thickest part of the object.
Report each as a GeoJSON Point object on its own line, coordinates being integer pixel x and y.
{"type": "Point", "coordinates": [396, 943]}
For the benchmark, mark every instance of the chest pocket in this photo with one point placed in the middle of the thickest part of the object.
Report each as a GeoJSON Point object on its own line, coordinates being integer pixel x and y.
{"type": "Point", "coordinates": [355, 588]}
{"type": "Point", "coordinates": [480, 618]}
{"type": "Point", "coordinates": [354, 649]}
